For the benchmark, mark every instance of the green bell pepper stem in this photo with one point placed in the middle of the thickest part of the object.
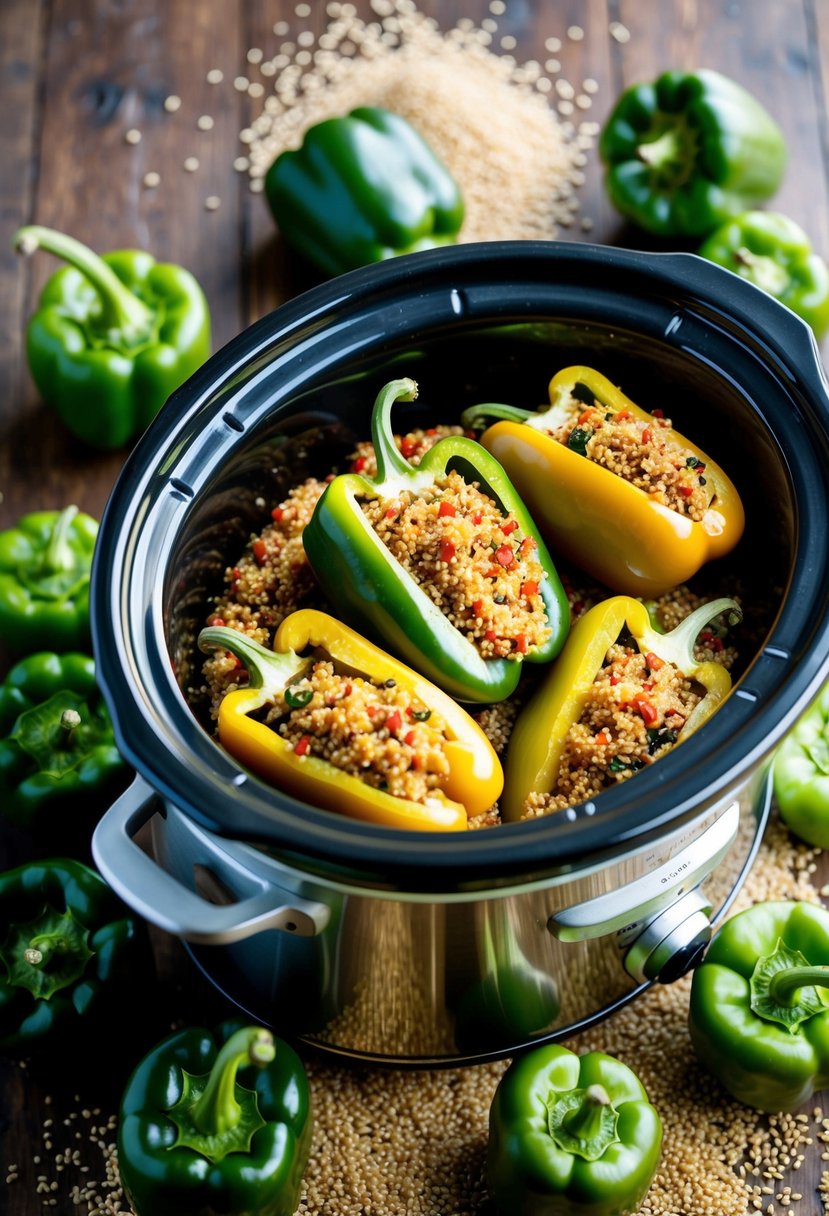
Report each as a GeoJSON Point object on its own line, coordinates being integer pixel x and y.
{"type": "Point", "coordinates": [476, 417]}
{"type": "Point", "coordinates": [59, 554]}
{"type": "Point", "coordinates": [784, 986]}
{"type": "Point", "coordinates": [127, 320]}
{"type": "Point", "coordinates": [393, 470]}
{"type": "Point", "coordinates": [217, 1109]}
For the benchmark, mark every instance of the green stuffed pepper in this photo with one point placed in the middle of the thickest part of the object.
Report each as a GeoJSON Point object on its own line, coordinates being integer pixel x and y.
{"type": "Point", "coordinates": [362, 188]}
{"type": "Point", "coordinates": [801, 775]}
{"type": "Point", "coordinates": [59, 765]}
{"type": "Point", "coordinates": [428, 561]}
{"type": "Point", "coordinates": [217, 1124]}
{"type": "Point", "coordinates": [689, 151]}
{"type": "Point", "coordinates": [773, 252]}
{"type": "Point", "coordinates": [70, 960]}
{"type": "Point", "coordinates": [757, 1016]}
{"type": "Point", "coordinates": [571, 1135]}
{"type": "Point", "coordinates": [112, 336]}
{"type": "Point", "coordinates": [45, 565]}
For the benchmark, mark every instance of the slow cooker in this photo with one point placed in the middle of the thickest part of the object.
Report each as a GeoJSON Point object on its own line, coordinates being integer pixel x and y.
{"type": "Point", "coordinates": [420, 948]}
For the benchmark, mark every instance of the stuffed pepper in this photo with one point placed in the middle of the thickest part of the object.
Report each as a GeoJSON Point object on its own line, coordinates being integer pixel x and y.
{"type": "Point", "coordinates": [334, 721]}
{"type": "Point", "coordinates": [619, 698]}
{"type": "Point", "coordinates": [441, 560]}
{"type": "Point", "coordinates": [758, 1015]}
{"type": "Point", "coordinates": [617, 490]}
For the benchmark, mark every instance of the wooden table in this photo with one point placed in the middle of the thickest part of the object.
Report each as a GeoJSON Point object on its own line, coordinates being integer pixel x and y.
{"type": "Point", "coordinates": [78, 74]}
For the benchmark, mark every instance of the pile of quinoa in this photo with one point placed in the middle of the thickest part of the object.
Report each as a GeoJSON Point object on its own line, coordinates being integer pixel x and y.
{"type": "Point", "coordinates": [460, 89]}
{"type": "Point", "coordinates": [471, 560]}
{"type": "Point", "coordinates": [640, 452]}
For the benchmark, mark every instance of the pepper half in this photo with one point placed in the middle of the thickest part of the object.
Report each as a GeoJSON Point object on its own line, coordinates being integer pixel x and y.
{"type": "Point", "coordinates": [112, 336]}
{"type": "Point", "coordinates": [801, 775]}
{"type": "Point", "coordinates": [474, 779]}
{"type": "Point", "coordinates": [362, 188]}
{"type": "Point", "coordinates": [357, 571]}
{"type": "Point", "coordinates": [215, 1123]}
{"type": "Point", "coordinates": [606, 526]}
{"type": "Point", "coordinates": [685, 153]}
{"type": "Point", "coordinates": [571, 1134]}
{"type": "Point", "coordinates": [538, 737]}
{"type": "Point", "coordinates": [45, 565]}
{"type": "Point", "coordinates": [756, 1017]}
{"type": "Point", "coordinates": [774, 253]}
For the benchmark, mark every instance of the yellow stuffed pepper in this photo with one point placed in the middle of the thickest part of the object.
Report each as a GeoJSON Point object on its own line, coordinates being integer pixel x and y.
{"type": "Point", "coordinates": [331, 719]}
{"type": "Point", "coordinates": [619, 697]}
{"type": "Point", "coordinates": [616, 490]}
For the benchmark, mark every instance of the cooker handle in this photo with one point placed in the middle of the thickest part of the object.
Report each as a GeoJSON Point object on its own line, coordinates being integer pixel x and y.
{"type": "Point", "coordinates": [164, 901]}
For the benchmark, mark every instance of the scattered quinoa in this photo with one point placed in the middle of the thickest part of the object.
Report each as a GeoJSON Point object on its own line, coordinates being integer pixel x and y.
{"type": "Point", "coordinates": [471, 560]}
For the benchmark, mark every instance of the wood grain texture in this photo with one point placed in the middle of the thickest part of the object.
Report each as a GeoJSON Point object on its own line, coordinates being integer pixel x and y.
{"type": "Point", "coordinates": [78, 74]}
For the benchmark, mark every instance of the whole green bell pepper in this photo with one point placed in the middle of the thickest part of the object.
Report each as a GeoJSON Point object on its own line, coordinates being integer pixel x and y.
{"type": "Point", "coordinates": [58, 761]}
{"type": "Point", "coordinates": [773, 252]}
{"type": "Point", "coordinates": [571, 1134]}
{"type": "Point", "coordinates": [45, 564]}
{"type": "Point", "coordinates": [193, 1139]}
{"type": "Point", "coordinates": [689, 151]}
{"type": "Point", "coordinates": [362, 188]}
{"type": "Point", "coordinates": [112, 336]}
{"type": "Point", "coordinates": [756, 1017]}
{"type": "Point", "coordinates": [71, 957]}
{"type": "Point", "coordinates": [358, 572]}
{"type": "Point", "coordinates": [801, 775]}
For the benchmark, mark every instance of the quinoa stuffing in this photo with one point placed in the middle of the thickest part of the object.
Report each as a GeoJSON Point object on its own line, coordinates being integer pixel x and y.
{"type": "Point", "coordinates": [633, 716]}
{"type": "Point", "coordinates": [269, 581]}
{"type": "Point", "coordinates": [374, 732]}
{"type": "Point", "coordinates": [639, 451]}
{"type": "Point", "coordinates": [471, 560]}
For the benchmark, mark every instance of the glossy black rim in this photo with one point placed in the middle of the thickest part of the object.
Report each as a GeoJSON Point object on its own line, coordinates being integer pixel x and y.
{"type": "Point", "coordinates": [657, 293]}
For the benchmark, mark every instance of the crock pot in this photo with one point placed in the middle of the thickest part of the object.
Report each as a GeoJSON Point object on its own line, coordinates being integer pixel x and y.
{"type": "Point", "coordinates": [420, 948]}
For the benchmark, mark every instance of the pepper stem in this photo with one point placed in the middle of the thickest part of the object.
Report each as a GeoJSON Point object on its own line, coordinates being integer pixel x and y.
{"type": "Point", "coordinates": [785, 985]}
{"type": "Point", "coordinates": [217, 1110]}
{"type": "Point", "coordinates": [586, 1120]}
{"type": "Point", "coordinates": [391, 463]}
{"type": "Point", "coordinates": [677, 647]}
{"type": "Point", "coordinates": [58, 555]}
{"type": "Point", "coordinates": [123, 314]}
{"type": "Point", "coordinates": [765, 272]}
{"type": "Point", "coordinates": [670, 155]}
{"type": "Point", "coordinates": [476, 415]}
{"type": "Point", "coordinates": [266, 670]}
{"type": "Point", "coordinates": [70, 720]}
